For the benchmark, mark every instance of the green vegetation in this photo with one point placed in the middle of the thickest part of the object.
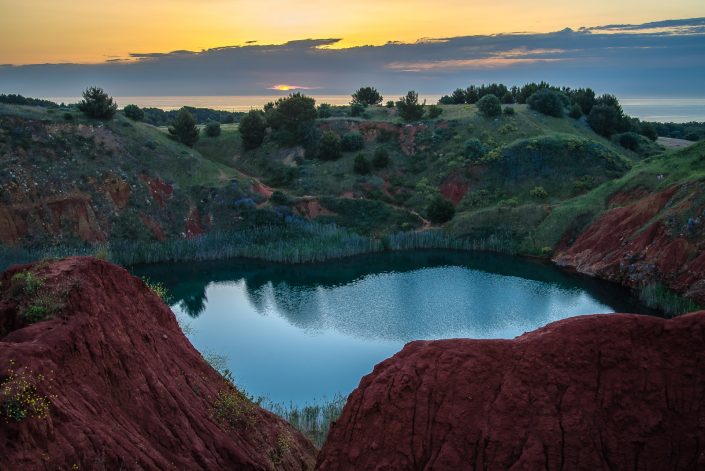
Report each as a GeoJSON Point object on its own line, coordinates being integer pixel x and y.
{"type": "Point", "coordinates": [409, 107]}
{"type": "Point", "coordinates": [489, 106]}
{"type": "Point", "coordinates": [253, 128]}
{"type": "Point", "coordinates": [96, 104]}
{"type": "Point", "coordinates": [366, 96]}
{"type": "Point", "coordinates": [35, 303]}
{"type": "Point", "coordinates": [434, 111]}
{"type": "Point", "coordinates": [440, 210]}
{"type": "Point", "coordinates": [330, 146]}
{"type": "Point", "coordinates": [659, 297]}
{"type": "Point", "coordinates": [292, 118]}
{"type": "Point", "coordinates": [381, 158]}
{"type": "Point", "coordinates": [158, 289]}
{"type": "Point", "coordinates": [184, 129]}
{"type": "Point", "coordinates": [362, 165]}
{"type": "Point", "coordinates": [212, 129]}
{"type": "Point", "coordinates": [20, 395]}
{"type": "Point", "coordinates": [134, 112]}
{"type": "Point", "coordinates": [234, 409]}
{"type": "Point", "coordinates": [313, 420]}
{"type": "Point", "coordinates": [352, 141]}
{"type": "Point", "coordinates": [549, 102]}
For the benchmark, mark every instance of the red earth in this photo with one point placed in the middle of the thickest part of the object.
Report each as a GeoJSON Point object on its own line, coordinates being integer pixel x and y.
{"type": "Point", "coordinates": [127, 389]}
{"type": "Point", "coordinates": [594, 392]}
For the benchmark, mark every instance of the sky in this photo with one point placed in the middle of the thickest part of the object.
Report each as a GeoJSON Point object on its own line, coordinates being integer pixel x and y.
{"type": "Point", "coordinates": [226, 47]}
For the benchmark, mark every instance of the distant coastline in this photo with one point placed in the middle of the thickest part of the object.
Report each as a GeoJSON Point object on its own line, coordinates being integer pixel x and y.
{"type": "Point", "coordinates": [677, 110]}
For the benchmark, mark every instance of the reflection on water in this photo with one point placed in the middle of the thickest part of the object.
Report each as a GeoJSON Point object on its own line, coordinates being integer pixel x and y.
{"type": "Point", "coordinates": [296, 333]}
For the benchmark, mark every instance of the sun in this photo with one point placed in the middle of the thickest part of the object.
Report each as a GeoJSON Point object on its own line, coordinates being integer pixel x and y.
{"type": "Point", "coordinates": [284, 87]}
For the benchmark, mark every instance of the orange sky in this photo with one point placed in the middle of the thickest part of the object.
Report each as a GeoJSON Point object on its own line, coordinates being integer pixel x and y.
{"type": "Point", "coordinates": [38, 31]}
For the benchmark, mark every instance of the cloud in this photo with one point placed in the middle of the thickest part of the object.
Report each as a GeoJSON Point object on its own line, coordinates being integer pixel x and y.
{"type": "Point", "coordinates": [651, 59]}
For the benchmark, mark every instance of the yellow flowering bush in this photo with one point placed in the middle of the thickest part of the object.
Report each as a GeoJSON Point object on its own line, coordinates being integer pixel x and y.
{"type": "Point", "coordinates": [19, 396]}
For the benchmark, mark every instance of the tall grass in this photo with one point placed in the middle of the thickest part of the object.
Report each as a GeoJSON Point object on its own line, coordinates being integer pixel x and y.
{"type": "Point", "coordinates": [437, 239]}
{"type": "Point", "coordinates": [313, 420]}
{"type": "Point", "coordinates": [657, 296]}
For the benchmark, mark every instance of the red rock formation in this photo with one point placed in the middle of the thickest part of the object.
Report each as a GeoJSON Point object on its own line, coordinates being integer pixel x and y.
{"type": "Point", "coordinates": [127, 389]}
{"type": "Point", "coordinates": [594, 392]}
{"type": "Point", "coordinates": [310, 208]}
{"type": "Point", "coordinates": [160, 190]}
{"type": "Point", "coordinates": [455, 187]}
{"type": "Point", "coordinates": [630, 244]}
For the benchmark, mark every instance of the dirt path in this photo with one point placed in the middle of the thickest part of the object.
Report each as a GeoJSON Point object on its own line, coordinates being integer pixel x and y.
{"type": "Point", "coordinates": [672, 143]}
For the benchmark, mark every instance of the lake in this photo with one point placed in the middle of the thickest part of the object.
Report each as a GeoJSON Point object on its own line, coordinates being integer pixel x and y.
{"type": "Point", "coordinates": [299, 334]}
{"type": "Point", "coordinates": [677, 110]}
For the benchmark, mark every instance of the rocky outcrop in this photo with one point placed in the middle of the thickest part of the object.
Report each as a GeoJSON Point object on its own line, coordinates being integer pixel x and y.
{"type": "Point", "coordinates": [126, 388]}
{"type": "Point", "coordinates": [640, 240]}
{"type": "Point", "coordinates": [593, 392]}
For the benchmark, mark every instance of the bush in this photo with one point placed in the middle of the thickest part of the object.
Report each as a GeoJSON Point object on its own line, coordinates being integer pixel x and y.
{"type": "Point", "coordinates": [474, 149]}
{"type": "Point", "coordinates": [96, 104]}
{"type": "Point", "coordinates": [409, 107]}
{"type": "Point", "coordinates": [279, 198]}
{"type": "Point", "coordinates": [538, 192]}
{"type": "Point", "coordinates": [440, 210]}
{"type": "Point", "coordinates": [68, 117]}
{"type": "Point", "coordinates": [134, 112]}
{"type": "Point", "coordinates": [330, 147]}
{"type": "Point", "coordinates": [508, 98]}
{"type": "Point", "coordinates": [325, 111]}
{"type": "Point", "coordinates": [605, 119]}
{"type": "Point", "coordinates": [212, 129]}
{"type": "Point", "coordinates": [390, 104]}
{"type": "Point", "coordinates": [184, 128]}
{"type": "Point", "coordinates": [548, 102]}
{"type": "Point", "coordinates": [356, 109]}
{"type": "Point", "coordinates": [352, 141]}
{"type": "Point", "coordinates": [508, 111]}
{"type": "Point", "coordinates": [361, 165]}
{"type": "Point", "coordinates": [253, 129]}
{"type": "Point", "coordinates": [20, 397]}
{"type": "Point", "coordinates": [629, 140]}
{"type": "Point", "coordinates": [489, 106]}
{"type": "Point", "coordinates": [366, 96]}
{"type": "Point", "coordinates": [434, 111]}
{"type": "Point", "coordinates": [381, 158]}
{"type": "Point", "coordinates": [292, 117]}
{"type": "Point", "coordinates": [576, 112]}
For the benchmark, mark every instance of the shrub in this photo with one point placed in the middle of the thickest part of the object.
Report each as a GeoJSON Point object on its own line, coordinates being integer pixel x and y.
{"type": "Point", "coordinates": [233, 408]}
{"type": "Point", "coordinates": [96, 104]}
{"type": "Point", "coordinates": [381, 158]}
{"type": "Point", "coordinates": [20, 398]}
{"type": "Point", "coordinates": [508, 98]}
{"type": "Point", "coordinates": [134, 112]}
{"type": "Point", "coordinates": [68, 117]}
{"type": "Point", "coordinates": [352, 141]}
{"type": "Point", "coordinates": [356, 109]}
{"type": "Point", "coordinates": [474, 149]}
{"type": "Point", "coordinates": [253, 129]}
{"type": "Point", "coordinates": [576, 112]}
{"type": "Point", "coordinates": [330, 147]}
{"type": "Point", "coordinates": [409, 107]}
{"type": "Point", "coordinates": [292, 117]}
{"type": "Point", "coordinates": [489, 106]}
{"type": "Point", "coordinates": [278, 198]}
{"type": "Point", "coordinates": [325, 111]}
{"type": "Point", "coordinates": [361, 166]}
{"type": "Point", "coordinates": [508, 111]}
{"type": "Point", "coordinates": [390, 104]}
{"type": "Point", "coordinates": [212, 129]}
{"type": "Point", "coordinates": [605, 119]}
{"type": "Point", "coordinates": [440, 210]}
{"type": "Point", "coordinates": [184, 128]}
{"type": "Point", "coordinates": [158, 289]}
{"type": "Point", "coordinates": [629, 140]}
{"type": "Point", "coordinates": [538, 192]}
{"type": "Point", "coordinates": [548, 102]}
{"type": "Point", "coordinates": [434, 111]}
{"type": "Point", "coordinates": [366, 96]}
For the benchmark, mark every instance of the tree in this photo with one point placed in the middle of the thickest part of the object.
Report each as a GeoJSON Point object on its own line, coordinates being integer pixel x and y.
{"type": "Point", "coordinates": [440, 210]}
{"type": "Point", "coordinates": [605, 119]}
{"type": "Point", "coordinates": [212, 129]}
{"type": "Point", "coordinates": [434, 111]}
{"type": "Point", "coordinates": [458, 96]}
{"type": "Point", "coordinates": [352, 141]}
{"type": "Point", "coordinates": [576, 112]}
{"type": "Point", "coordinates": [184, 128]}
{"type": "Point", "coordinates": [474, 149]}
{"type": "Point", "coordinates": [585, 98]}
{"type": "Point", "coordinates": [325, 111]}
{"type": "Point", "coordinates": [134, 112]}
{"type": "Point", "coordinates": [409, 107]}
{"type": "Point", "coordinates": [489, 106]}
{"type": "Point", "coordinates": [96, 104]}
{"type": "Point", "coordinates": [366, 96]}
{"type": "Point", "coordinates": [548, 102]}
{"type": "Point", "coordinates": [253, 129]}
{"type": "Point", "coordinates": [361, 166]}
{"type": "Point", "coordinates": [329, 147]}
{"type": "Point", "coordinates": [381, 158]}
{"type": "Point", "coordinates": [292, 117]}
{"type": "Point", "coordinates": [508, 98]}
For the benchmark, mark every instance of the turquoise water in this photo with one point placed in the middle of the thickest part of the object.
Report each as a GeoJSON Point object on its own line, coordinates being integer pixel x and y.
{"type": "Point", "coordinates": [302, 333]}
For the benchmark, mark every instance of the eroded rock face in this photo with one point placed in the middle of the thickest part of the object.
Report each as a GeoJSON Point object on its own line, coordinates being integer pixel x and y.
{"type": "Point", "coordinates": [638, 241]}
{"type": "Point", "coordinates": [593, 392]}
{"type": "Point", "coordinates": [127, 389]}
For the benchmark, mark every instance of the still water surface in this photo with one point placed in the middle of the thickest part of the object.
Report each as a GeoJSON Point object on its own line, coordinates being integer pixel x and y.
{"type": "Point", "coordinates": [303, 333]}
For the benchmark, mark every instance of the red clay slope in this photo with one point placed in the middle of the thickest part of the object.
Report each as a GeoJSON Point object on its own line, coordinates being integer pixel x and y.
{"type": "Point", "coordinates": [610, 392]}
{"type": "Point", "coordinates": [130, 390]}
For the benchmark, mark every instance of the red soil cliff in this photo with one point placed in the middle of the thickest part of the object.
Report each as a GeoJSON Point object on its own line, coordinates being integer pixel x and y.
{"type": "Point", "coordinates": [595, 392]}
{"type": "Point", "coordinates": [127, 389]}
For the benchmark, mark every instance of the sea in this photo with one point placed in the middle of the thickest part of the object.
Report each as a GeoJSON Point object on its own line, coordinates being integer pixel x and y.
{"type": "Point", "coordinates": [676, 110]}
